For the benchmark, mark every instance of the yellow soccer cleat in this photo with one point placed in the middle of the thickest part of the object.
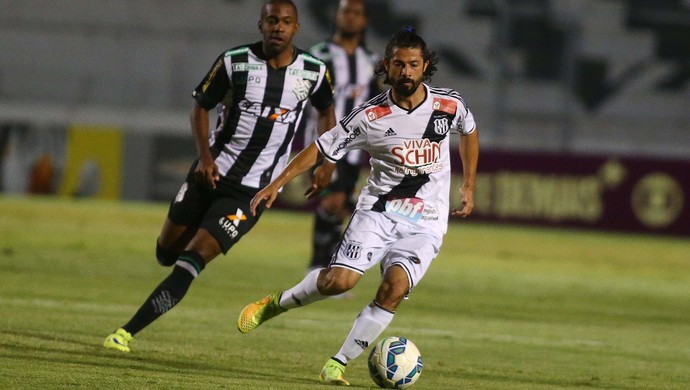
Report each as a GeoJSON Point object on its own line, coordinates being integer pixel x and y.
{"type": "Point", "coordinates": [118, 340]}
{"type": "Point", "coordinates": [259, 312]}
{"type": "Point", "coordinates": [332, 373]}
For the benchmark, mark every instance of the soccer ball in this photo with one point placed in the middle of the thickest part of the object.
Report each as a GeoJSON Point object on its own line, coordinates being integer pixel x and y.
{"type": "Point", "coordinates": [395, 363]}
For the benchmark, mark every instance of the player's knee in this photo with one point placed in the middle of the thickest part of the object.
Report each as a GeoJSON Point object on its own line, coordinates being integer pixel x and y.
{"type": "Point", "coordinates": [165, 256]}
{"type": "Point", "coordinates": [334, 283]}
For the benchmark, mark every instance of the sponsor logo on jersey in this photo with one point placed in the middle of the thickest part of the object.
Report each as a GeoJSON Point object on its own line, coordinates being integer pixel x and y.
{"type": "Point", "coordinates": [229, 223]}
{"type": "Point", "coordinates": [301, 89]}
{"type": "Point", "coordinates": [430, 214]}
{"type": "Point", "coordinates": [350, 137]}
{"type": "Point", "coordinates": [353, 249]}
{"type": "Point", "coordinates": [276, 114]}
{"type": "Point", "coordinates": [244, 67]}
{"type": "Point", "coordinates": [390, 132]}
{"type": "Point", "coordinates": [211, 75]}
{"type": "Point", "coordinates": [445, 105]}
{"type": "Point", "coordinates": [305, 74]}
{"type": "Point", "coordinates": [377, 112]}
{"type": "Point", "coordinates": [410, 208]}
{"type": "Point", "coordinates": [417, 152]}
{"type": "Point", "coordinates": [424, 170]}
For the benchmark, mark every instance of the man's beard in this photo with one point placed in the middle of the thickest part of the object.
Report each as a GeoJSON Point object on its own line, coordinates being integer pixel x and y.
{"type": "Point", "coordinates": [406, 89]}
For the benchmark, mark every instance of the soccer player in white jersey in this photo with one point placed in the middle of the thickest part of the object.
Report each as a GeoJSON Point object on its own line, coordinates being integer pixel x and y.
{"type": "Point", "coordinates": [402, 213]}
{"type": "Point", "coordinates": [351, 66]}
{"type": "Point", "coordinates": [260, 90]}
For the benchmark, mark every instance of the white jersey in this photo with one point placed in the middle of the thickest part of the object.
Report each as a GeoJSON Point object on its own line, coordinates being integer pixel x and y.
{"type": "Point", "coordinates": [410, 162]}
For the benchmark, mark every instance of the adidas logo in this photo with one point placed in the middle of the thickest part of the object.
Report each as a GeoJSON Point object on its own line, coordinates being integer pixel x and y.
{"type": "Point", "coordinates": [362, 343]}
{"type": "Point", "coordinates": [389, 132]}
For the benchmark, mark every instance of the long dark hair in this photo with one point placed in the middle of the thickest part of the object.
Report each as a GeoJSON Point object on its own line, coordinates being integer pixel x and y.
{"type": "Point", "coordinates": [407, 37]}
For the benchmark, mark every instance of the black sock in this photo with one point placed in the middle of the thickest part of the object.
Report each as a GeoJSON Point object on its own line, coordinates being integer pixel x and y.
{"type": "Point", "coordinates": [327, 232]}
{"type": "Point", "coordinates": [168, 293]}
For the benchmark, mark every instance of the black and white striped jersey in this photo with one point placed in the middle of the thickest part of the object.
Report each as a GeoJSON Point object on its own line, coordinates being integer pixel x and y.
{"type": "Point", "coordinates": [410, 162]}
{"type": "Point", "coordinates": [354, 82]}
{"type": "Point", "coordinates": [259, 110]}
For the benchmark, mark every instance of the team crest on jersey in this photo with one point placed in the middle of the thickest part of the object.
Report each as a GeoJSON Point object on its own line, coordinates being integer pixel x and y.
{"type": "Point", "coordinates": [377, 112]}
{"type": "Point", "coordinates": [353, 249]}
{"type": "Point", "coordinates": [441, 125]}
{"type": "Point", "coordinates": [445, 105]}
{"type": "Point", "coordinates": [301, 90]}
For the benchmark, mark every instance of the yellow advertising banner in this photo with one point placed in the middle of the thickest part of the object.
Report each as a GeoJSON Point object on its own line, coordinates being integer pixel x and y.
{"type": "Point", "coordinates": [93, 162]}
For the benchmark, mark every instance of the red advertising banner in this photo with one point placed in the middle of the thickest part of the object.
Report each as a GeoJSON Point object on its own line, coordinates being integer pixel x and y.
{"type": "Point", "coordinates": [635, 194]}
{"type": "Point", "coordinates": [605, 192]}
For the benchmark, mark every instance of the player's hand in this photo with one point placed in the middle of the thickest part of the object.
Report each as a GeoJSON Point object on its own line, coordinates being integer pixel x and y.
{"type": "Point", "coordinates": [467, 201]}
{"type": "Point", "coordinates": [207, 171]}
{"type": "Point", "coordinates": [268, 194]}
{"type": "Point", "coordinates": [320, 179]}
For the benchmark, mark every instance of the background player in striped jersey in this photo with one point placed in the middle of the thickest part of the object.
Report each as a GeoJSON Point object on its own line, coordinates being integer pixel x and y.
{"type": "Point", "coordinates": [260, 90]}
{"type": "Point", "coordinates": [351, 66]}
{"type": "Point", "coordinates": [402, 213]}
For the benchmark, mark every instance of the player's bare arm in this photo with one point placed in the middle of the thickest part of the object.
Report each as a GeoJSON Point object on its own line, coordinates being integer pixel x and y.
{"type": "Point", "coordinates": [469, 155]}
{"type": "Point", "coordinates": [300, 164]}
{"type": "Point", "coordinates": [323, 173]}
{"type": "Point", "coordinates": [206, 170]}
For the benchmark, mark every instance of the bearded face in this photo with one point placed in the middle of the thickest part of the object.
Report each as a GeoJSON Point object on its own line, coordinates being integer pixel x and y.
{"type": "Point", "coordinates": [406, 70]}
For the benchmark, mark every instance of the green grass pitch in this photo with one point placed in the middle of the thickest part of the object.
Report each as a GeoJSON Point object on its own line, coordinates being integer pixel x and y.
{"type": "Point", "coordinates": [502, 307]}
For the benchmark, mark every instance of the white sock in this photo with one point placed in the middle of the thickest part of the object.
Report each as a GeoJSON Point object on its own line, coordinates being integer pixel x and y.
{"type": "Point", "coordinates": [368, 326]}
{"type": "Point", "coordinates": [303, 293]}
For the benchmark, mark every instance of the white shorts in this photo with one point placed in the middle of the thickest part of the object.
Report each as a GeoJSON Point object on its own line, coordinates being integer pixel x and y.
{"type": "Point", "coordinates": [372, 238]}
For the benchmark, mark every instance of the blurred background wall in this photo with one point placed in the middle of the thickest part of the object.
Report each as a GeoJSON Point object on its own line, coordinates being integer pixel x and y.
{"type": "Point", "coordinates": [95, 95]}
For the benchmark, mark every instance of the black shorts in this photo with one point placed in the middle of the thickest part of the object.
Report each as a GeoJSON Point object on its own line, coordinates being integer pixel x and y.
{"type": "Point", "coordinates": [223, 213]}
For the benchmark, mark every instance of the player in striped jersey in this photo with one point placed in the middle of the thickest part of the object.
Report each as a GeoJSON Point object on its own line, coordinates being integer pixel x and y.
{"type": "Point", "coordinates": [260, 90]}
{"type": "Point", "coordinates": [351, 66]}
{"type": "Point", "coordinates": [402, 212]}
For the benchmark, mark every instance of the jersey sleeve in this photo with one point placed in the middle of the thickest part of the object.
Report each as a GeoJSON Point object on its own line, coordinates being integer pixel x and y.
{"type": "Point", "coordinates": [335, 143]}
{"type": "Point", "coordinates": [214, 86]}
{"type": "Point", "coordinates": [466, 124]}
{"type": "Point", "coordinates": [464, 119]}
{"type": "Point", "coordinates": [322, 97]}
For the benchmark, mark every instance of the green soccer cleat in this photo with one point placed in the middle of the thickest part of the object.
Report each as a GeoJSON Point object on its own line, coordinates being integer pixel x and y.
{"type": "Point", "coordinates": [332, 373]}
{"type": "Point", "coordinates": [118, 340]}
{"type": "Point", "coordinates": [259, 312]}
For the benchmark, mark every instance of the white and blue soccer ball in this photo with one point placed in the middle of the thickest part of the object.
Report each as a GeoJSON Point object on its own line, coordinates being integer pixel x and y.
{"type": "Point", "coordinates": [395, 363]}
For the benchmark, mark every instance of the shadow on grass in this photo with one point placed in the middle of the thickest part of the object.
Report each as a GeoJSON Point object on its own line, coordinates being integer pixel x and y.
{"type": "Point", "coordinates": [88, 354]}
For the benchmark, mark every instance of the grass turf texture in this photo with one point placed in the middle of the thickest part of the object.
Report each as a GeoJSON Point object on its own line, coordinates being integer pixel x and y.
{"type": "Point", "coordinates": [502, 307]}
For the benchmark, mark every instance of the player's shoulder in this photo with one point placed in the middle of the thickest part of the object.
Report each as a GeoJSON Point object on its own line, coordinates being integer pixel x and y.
{"type": "Point", "coordinates": [447, 94]}
{"type": "Point", "coordinates": [444, 92]}
{"type": "Point", "coordinates": [310, 58]}
{"type": "Point", "coordinates": [373, 109]}
{"type": "Point", "coordinates": [237, 51]}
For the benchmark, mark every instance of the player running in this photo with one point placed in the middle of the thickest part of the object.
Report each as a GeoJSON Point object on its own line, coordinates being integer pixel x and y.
{"type": "Point", "coordinates": [402, 213]}
{"type": "Point", "coordinates": [260, 91]}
